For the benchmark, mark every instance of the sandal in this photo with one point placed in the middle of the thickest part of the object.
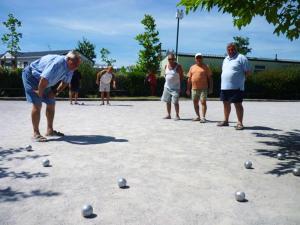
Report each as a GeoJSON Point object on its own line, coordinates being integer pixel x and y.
{"type": "Point", "coordinates": [239, 127]}
{"type": "Point", "coordinates": [55, 133]}
{"type": "Point", "coordinates": [167, 117]}
{"type": "Point", "coordinates": [223, 124]}
{"type": "Point", "coordinates": [177, 118]}
{"type": "Point", "coordinates": [39, 138]}
{"type": "Point", "coordinates": [196, 119]}
{"type": "Point", "coordinates": [203, 120]}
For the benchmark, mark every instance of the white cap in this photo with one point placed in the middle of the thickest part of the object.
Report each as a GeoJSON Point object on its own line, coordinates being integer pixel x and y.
{"type": "Point", "coordinates": [198, 54]}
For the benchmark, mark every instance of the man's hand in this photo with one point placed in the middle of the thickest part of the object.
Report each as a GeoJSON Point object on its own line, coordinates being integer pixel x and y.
{"type": "Point", "coordinates": [97, 82]}
{"type": "Point", "coordinates": [52, 94]}
{"type": "Point", "coordinates": [188, 92]}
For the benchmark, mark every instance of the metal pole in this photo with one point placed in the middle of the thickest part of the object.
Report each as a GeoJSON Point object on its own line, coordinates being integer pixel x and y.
{"type": "Point", "coordinates": [177, 37]}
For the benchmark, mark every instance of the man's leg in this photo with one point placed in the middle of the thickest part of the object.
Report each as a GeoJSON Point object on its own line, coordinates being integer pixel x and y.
{"type": "Point", "coordinates": [107, 97]}
{"type": "Point", "coordinates": [227, 109]}
{"type": "Point", "coordinates": [76, 96]}
{"type": "Point", "coordinates": [70, 97]}
{"type": "Point", "coordinates": [204, 107]}
{"type": "Point", "coordinates": [102, 97]}
{"type": "Point", "coordinates": [50, 111]}
{"type": "Point", "coordinates": [196, 107]}
{"type": "Point", "coordinates": [168, 110]}
{"type": "Point", "coordinates": [239, 112]}
{"type": "Point", "coordinates": [177, 110]}
{"type": "Point", "coordinates": [35, 117]}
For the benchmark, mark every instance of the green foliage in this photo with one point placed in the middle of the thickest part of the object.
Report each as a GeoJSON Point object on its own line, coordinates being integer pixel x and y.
{"type": "Point", "coordinates": [242, 44]}
{"type": "Point", "coordinates": [88, 79]}
{"type": "Point", "coordinates": [86, 48]}
{"type": "Point", "coordinates": [104, 57]}
{"type": "Point", "coordinates": [150, 55]}
{"type": "Point", "coordinates": [283, 14]}
{"type": "Point", "coordinates": [12, 38]}
{"type": "Point", "coordinates": [279, 84]}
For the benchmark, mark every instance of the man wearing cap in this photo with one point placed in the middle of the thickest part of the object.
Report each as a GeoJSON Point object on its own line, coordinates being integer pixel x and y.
{"type": "Point", "coordinates": [39, 78]}
{"type": "Point", "coordinates": [200, 79]}
{"type": "Point", "coordinates": [235, 69]}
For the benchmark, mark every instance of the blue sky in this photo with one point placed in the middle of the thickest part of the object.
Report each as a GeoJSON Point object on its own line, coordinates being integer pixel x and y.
{"type": "Point", "coordinates": [114, 24]}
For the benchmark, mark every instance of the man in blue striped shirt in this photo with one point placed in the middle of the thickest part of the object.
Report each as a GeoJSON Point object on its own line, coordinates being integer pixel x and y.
{"type": "Point", "coordinates": [39, 78]}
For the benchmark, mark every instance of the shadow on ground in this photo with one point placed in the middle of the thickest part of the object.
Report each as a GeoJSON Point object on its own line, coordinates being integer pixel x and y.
{"type": "Point", "coordinates": [287, 143]}
{"type": "Point", "coordinates": [88, 139]}
{"type": "Point", "coordinates": [261, 128]}
{"type": "Point", "coordinates": [10, 195]}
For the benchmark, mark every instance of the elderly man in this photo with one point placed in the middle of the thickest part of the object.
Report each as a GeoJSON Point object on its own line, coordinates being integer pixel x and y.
{"type": "Point", "coordinates": [235, 69]}
{"type": "Point", "coordinates": [199, 77]}
{"type": "Point", "coordinates": [39, 78]}
{"type": "Point", "coordinates": [171, 93]}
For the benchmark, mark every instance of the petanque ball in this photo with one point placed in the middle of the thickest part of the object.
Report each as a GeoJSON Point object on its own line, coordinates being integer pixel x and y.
{"type": "Point", "coordinates": [87, 211]}
{"type": "Point", "coordinates": [296, 171]}
{"type": "Point", "coordinates": [46, 162]}
{"type": "Point", "coordinates": [28, 147]}
{"type": "Point", "coordinates": [248, 164]}
{"type": "Point", "coordinates": [122, 182]}
{"type": "Point", "coordinates": [280, 156]}
{"type": "Point", "coordinates": [240, 196]}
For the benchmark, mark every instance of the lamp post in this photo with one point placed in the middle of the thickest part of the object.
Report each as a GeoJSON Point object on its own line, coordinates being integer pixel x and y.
{"type": "Point", "coordinates": [179, 16]}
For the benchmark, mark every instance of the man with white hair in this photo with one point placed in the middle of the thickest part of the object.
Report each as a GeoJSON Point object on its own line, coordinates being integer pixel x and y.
{"type": "Point", "coordinates": [39, 78]}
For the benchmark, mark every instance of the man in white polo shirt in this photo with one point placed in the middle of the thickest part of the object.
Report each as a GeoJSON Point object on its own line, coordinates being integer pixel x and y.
{"type": "Point", "coordinates": [235, 69]}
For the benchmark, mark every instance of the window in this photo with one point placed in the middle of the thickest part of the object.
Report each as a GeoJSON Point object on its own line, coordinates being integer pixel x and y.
{"type": "Point", "coordinates": [259, 68]}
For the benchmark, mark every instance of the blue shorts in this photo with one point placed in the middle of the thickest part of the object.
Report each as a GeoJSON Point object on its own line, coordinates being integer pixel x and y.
{"type": "Point", "coordinates": [30, 84]}
{"type": "Point", "coordinates": [232, 96]}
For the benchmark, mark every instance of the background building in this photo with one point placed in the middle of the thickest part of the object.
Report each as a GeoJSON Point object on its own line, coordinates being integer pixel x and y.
{"type": "Point", "coordinates": [215, 61]}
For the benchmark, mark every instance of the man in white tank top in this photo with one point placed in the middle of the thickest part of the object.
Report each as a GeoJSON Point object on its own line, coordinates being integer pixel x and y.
{"type": "Point", "coordinates": [104, 78]}
{"type": "Point", "coordinates": [171, 93]}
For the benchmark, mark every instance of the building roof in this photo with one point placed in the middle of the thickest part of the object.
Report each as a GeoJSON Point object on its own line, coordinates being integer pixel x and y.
{"type": "Point", "coordinates": [249, 58]}
{"type": "Point", "coordinates": [41, 53]}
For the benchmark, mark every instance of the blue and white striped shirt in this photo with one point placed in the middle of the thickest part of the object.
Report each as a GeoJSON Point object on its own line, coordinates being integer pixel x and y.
{"type": "Point", "coordinates": [53, 68]}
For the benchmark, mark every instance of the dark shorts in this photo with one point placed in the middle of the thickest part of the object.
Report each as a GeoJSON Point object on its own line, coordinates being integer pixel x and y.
{"type": "Point", "coordinates": [74, 88]}
{"type": "Point", "coordinates": [232, 96]}
{"type": "Point", "coordinates": [30, 84]}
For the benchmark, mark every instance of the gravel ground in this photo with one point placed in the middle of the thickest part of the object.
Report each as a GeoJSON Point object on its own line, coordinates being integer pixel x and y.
{"type": "Point", "coordinates": [178, 172]}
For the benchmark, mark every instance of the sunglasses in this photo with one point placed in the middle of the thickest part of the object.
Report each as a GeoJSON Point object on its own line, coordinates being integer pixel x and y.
{"type": "Point", "coordinates": [171, 58]}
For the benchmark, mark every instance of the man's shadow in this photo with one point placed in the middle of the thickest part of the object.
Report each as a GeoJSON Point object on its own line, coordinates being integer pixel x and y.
{"type": "Point", "coordinates": [87, 139]}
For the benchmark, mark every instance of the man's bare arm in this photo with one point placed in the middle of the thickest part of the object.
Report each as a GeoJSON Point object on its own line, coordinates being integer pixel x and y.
{"type": "Point", "coordinates": [42, 86]}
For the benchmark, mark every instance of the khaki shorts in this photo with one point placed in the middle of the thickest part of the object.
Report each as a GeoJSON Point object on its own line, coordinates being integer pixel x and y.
{"type": "Point", "coordinates": [199, 94]}
{"type": "Point", "coordinates": [169, 96]}
{"type": "Point", "coordinates": [104, 87]}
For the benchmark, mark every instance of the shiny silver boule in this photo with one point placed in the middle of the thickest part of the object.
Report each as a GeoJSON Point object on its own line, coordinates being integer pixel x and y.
{"type": "Point", "coordinates": [296, 171]}
{"type": "Point", "coordinates": [46, 162]}
{"type": "Point", "coordinates": [240, 196]}
{"type": "Point", "coordinates": [280, 156]}
{"type": "Point", "coordinates": [87, 211]}
{"type": "Point", "coordinates": [248, 164]}
{"type": "Point", "coordinates": [28, 147]}
{"type": "Point", "coordinates": [122, 182]}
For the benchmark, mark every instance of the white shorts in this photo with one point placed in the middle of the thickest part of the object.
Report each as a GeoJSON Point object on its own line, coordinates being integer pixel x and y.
{"type": "Point", "coordinates": [104, 87]}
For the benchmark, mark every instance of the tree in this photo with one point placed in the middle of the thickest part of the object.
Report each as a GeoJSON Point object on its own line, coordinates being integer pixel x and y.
{"type": "Point", "coordinates": [150, 55]}
{"type": "Point", "coordinates": [104, 57]}
{"type": "Point", "coordinates": [12, 38]}
{"type": "Point", "coordinates": [242, 44]}
{"type": "Point", "coordinates": [87, 49]}
{"type": "Point", "coordinates": [283, 14]}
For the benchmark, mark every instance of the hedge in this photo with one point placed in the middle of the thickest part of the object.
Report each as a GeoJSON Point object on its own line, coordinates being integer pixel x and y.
{"type": "Point", "coordinates": [279, 84]}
